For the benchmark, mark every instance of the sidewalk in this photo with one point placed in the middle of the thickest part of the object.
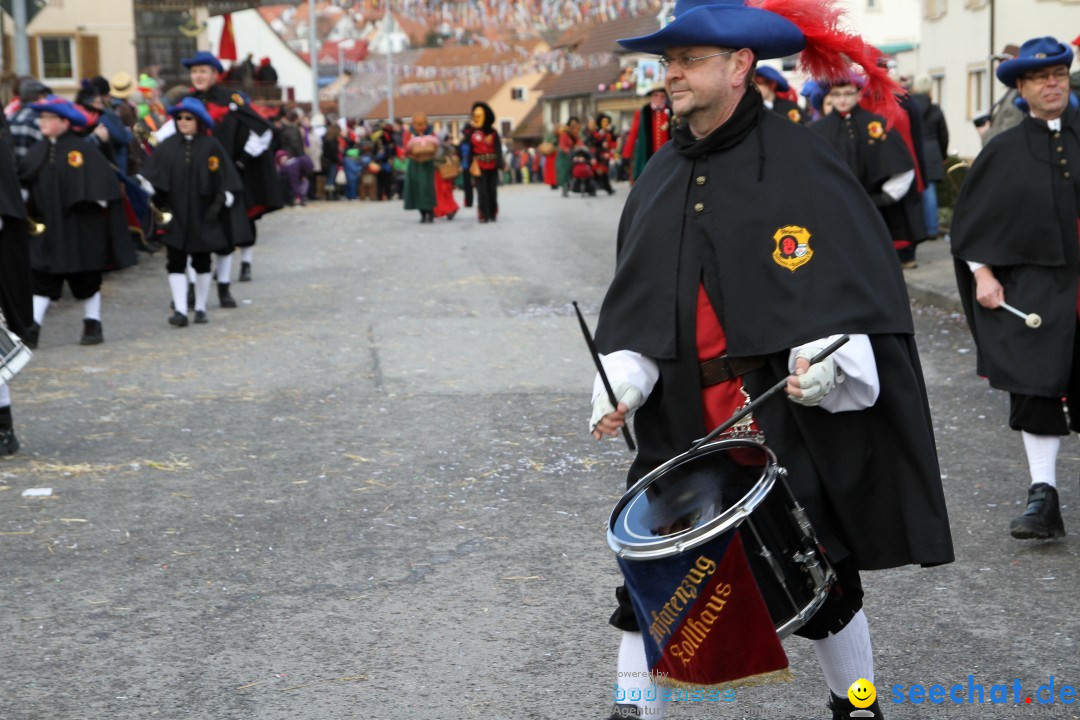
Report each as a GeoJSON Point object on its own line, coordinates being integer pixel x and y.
{"type": "Point", "coordinates": [934, 281]}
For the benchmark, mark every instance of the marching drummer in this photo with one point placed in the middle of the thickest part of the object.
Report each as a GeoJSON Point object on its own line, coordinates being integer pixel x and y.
{"type": "Point", "coordinates": [1015, 241]}
{"type": "Point", "coordinates": [759, 281]}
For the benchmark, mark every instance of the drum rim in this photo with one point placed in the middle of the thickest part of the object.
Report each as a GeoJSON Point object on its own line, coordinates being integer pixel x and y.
{"type": "Point", "coordinates": [693, 537]}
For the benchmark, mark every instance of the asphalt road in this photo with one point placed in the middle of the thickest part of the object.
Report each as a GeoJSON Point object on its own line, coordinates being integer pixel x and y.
{"type": "Point", "coordinates": [369, 492]}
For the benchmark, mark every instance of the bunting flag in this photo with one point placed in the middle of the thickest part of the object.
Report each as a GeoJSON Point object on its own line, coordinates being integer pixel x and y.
{"type": "Point", "coordinates": [512, 14]}
{"type": "Point", "coordinates": [704, 620]}
{"type": "Point", "coordinates": [227, 45]}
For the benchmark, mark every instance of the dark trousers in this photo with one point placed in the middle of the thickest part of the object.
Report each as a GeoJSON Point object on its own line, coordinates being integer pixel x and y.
{"type": "Point", "coordinates": [1046, 415]}
{"type": "Point", "coordinates": [487, 188]}
{"type": "Point", "coordinates": [467, 186]}
{"type": "Point", "coordinates": [83, 285]}
{"type": "Point", "coordinates": [176, 261]}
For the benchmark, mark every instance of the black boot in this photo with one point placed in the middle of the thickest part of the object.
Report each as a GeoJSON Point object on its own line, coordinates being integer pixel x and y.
{"type": "Point", "coordinates": [1041, 518]}
{"type": "Point", "coordinates": [842, 709]}
{"type": "Point", "coordinates": [9, 444]}
{"type": "Point", "coordinates": [623, 711]}
{"type": "Point", "coordinates": [92, 333]}
{"type": "Point", "coordinates": [245, 272]}
{"type": "Point", "coordinates": [225, 297]}
{"type": "Point", "coordinates": [178, 319]}
{"type": "Point", "coordinates": [30, 337]}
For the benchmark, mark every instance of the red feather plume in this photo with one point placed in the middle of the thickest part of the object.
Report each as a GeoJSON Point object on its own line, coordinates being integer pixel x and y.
{"type": "Point", "coordinates": [830, 50]}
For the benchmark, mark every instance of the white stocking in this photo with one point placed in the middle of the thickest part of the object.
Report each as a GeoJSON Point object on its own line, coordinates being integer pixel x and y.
{"type": "Point", "coordinates": [92, 307]}
{"type": "Point", "coordinates": [202, 290]}
{"type": "Point", "coordinates": [846, 656]}
{"type": "Point", "coordinates": [634, 685]}
{"type": "Point", "coordinates": [224, 268]}
{"type": "Point", "coordinates": [1042, 451]}
{"type": "Point", "coordinates": [246, 254]}
{"type": "Point", "coordinates": [41, 304]}
{"type": "Point", "coordinates": [178, 286]}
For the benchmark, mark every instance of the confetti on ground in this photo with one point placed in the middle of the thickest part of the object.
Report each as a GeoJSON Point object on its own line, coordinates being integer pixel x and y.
{"type": "Point", "coordinates": [37, 492]}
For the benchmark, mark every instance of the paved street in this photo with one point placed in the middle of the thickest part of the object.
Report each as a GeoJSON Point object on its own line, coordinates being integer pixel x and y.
{"type": "Point", "coordinates": [368, 492]}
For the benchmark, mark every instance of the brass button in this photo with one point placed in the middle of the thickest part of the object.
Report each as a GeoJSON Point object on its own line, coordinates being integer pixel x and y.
{"type": "Point", "coordinates": [1057, 135]}
{"type": "Point", "coordinates": [700, 179]}
{"type": "Point", "coordinates": [699, 207]}
{"type": "Point", "coordinates": [1060, 149]}
{"type": "Point", "coordinates": [1063, 161]}
{"type": "Point", "coordinates": [1066, 173]}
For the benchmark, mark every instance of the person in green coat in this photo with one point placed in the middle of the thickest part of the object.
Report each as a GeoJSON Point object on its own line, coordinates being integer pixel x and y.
{"type": "Point", "coordinates": [569, 139]}
{"type": "Point", "coordinates": [420, 149]}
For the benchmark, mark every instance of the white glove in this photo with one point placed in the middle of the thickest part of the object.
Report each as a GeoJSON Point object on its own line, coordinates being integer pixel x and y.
{"type": "Point", "coordinates": [624, 393]}
{"type": "Point", "coordinates": [820, 378]}
{"type": "Point", "coordinates": [229, 199]}
{"type": "Point", "coordinates": [103, 203]}
{"type": "Point", "coordinates": [145, 186]}
{"type": "Point", "coordinates": [25, 194]}
{"type": "Point", "coordinates": [256, 145]}
{"type": "Point", "coordinates": [165, 131]}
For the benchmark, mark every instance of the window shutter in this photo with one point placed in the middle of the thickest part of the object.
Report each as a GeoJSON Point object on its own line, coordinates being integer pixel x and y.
{"type": "Point", "coordinates": [35, 69]}
{"type": "Point", "coordinates": [89, 58]}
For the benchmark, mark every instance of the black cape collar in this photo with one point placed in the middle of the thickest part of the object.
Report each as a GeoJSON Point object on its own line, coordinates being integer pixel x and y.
{"type": "Point", "coordinates": [745, 118]}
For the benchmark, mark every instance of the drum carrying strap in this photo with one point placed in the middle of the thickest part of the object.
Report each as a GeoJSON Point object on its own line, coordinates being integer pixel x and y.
{"type": "Point", "coordinates": [723, 368]}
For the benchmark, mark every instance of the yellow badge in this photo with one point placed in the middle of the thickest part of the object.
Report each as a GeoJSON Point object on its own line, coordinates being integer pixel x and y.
{"type": "Point", "coordinates": [875, 130]}
{"type": "Point", "coordinates": [792, 247]}
{"type": "Point", "coordinates": [213, 163]}
{"type": "Point", "coordinates": [793, 115]}
{"type": "Point", "coordinates": [75, 159]}
{"type": "Point", "coordinates": [238, 98]}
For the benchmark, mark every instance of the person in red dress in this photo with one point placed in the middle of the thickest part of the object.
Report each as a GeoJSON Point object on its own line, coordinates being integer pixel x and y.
{"type": "Point", "coordinates": [486, 153]}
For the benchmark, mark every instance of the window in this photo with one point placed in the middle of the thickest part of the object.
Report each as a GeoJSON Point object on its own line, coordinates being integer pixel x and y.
{"type": "Point", "coordinates": [977, 92]}
{"type": "Point", "coordinates": [873, 5]}
{"type": "Point", "coordinates": [57, 55]}
{"type": "Point", "coordinates": [505, 130]}
{"type": "Point", "coordinates": [789, 63]}
{"type": "Point", "coordinates": [937, 88]}
{"type": "Point", "coordinates": [519, 93]}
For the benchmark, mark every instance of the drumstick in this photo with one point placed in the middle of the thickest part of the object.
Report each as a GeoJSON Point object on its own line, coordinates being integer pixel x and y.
{"type": "Point", "coordinates": [1032, 320]}
{"type": "Point", "coordinates": [603, 375]}
{"type": "Point", "coordinates": [747, 409]}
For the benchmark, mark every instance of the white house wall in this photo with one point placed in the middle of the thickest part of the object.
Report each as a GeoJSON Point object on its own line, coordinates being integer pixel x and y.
{"type": "Point", "coordinates": [253, 35]}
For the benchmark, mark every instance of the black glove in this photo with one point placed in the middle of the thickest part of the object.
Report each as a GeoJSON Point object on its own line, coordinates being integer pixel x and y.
{"type": "Point", "coordinates": [214, 209]}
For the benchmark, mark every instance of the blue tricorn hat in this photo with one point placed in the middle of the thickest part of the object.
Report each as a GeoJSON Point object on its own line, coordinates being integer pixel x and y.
{"type": "Point", "coordinates": [773, 75]}
{"type": "Point", "coordinates": [203, 58]}
{"type": "Point", "coordinates": [196, 108]}
{"type": "Point", "coordinates": [723, 23]}
{"type": "Point", "coordinates": [1034, 54]}
{"type": "Point", "coordinates": [814, 94]}
{"type": "Point", "coordinates": [60, 106]}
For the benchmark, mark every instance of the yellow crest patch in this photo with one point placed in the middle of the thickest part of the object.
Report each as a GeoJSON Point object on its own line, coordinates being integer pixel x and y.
{"type": "Point", "coordinates": [793, 115]}
{"type": "Point", "coordinates": [237, 98]}
{"type": "Point", "coordinates": [792, 247]}
{"type": "Point", "coordinates": [213, 163]}
{"type": "Point", "coordinates": [75, 159]}
{"type": "Point", "coordinates": [875, 130]}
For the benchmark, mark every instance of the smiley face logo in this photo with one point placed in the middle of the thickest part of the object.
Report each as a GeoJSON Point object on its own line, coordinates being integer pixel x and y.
{"type": "Point", "coordinates": [862, 693]}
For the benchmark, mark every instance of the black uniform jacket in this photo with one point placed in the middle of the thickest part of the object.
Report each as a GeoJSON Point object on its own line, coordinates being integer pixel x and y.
{"type": "Point", "coordinates": [875, 153]}
{"type": "Point", "coordinates": [790, 110]}
{"type": "Point", "coordinates": [15, 286]}
{"type": "Point", "coordinates": [262, 186]}
{"type": "Point", "coordinates": [790, 250]}
{"type": "Point", "coordinates": [190, 178]}
{"type": "Point", "coordinates": [67, 180]}
{"type": "Point", "coordinates": [1017, 213]}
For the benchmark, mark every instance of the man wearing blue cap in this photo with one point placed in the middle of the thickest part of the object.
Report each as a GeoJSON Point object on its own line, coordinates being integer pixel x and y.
{"type": "Point", "coordinates": [246, 137]}
{"type": "Point", "coordinates": [769, 82]}
{"type": "Point", "coordinates": [1015, 238]}
{"type": "Point", "coordinates": [732, 271]}
{"type": "Point", "coordinates": [75, 193]}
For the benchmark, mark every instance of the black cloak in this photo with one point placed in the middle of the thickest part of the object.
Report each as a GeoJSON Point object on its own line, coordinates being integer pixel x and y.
{"type": "Point", "coordinates": [875, 153]}
{"type": "Point", "coordinates": [234, 121]}
{"type": "Point", "coordinates": [790, 110]}
{"type": "Point", "coordinates": [67, 180]}
{"type": "Point", "coordinates": [190, 177]}
{"type": "Point", "coordinates": [16, 291]}
{"type": "Point", "coordinates": [1017, 212]}
{"type": "Point", "coordinates": [784, 262]}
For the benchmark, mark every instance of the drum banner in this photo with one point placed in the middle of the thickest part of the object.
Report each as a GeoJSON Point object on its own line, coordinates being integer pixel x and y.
{"type": "Point", "coordinates": [703, 618]}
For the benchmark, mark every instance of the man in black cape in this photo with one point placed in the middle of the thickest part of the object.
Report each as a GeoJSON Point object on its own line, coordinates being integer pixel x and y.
{"type": "Point", "coordinates": [246, 137]}
{"type": "Point", "coordinates": [75, 193]}
{"type": "Point", "coordinates": [191, 175]}
{"type": "Point", "coordinates": [769, 82]}
{"type": "Point", "coordinates": [723, 217]}
{"type": "Point", "coordinates": [15, 287]}
{"type": "Point", "coordinates": [880, 160]}
{"type": "Point", "coordinates": [1014, 238]}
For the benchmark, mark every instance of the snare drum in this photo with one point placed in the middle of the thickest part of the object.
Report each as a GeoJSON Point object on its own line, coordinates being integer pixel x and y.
{"type": "Point", "coordinates": [699, 496]}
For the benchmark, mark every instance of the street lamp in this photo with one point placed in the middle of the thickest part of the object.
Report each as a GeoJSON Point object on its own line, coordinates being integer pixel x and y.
{"type": "Point", "coordinates": [341, 48]}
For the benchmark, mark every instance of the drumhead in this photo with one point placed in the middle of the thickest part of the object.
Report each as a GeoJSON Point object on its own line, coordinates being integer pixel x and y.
{"type": "Point", "coordinates": [691, 499]}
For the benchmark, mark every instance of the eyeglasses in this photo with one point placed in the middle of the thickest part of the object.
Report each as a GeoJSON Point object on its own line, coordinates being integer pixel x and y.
{"type": "Point", "coordinates": [188, 118]}
{"type": "Point", "coordinates": [1041, 78]}
{"type": "Point", "coordinates": [686, 62]}
{"type": "Point", "coordinates": [843, 93]}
